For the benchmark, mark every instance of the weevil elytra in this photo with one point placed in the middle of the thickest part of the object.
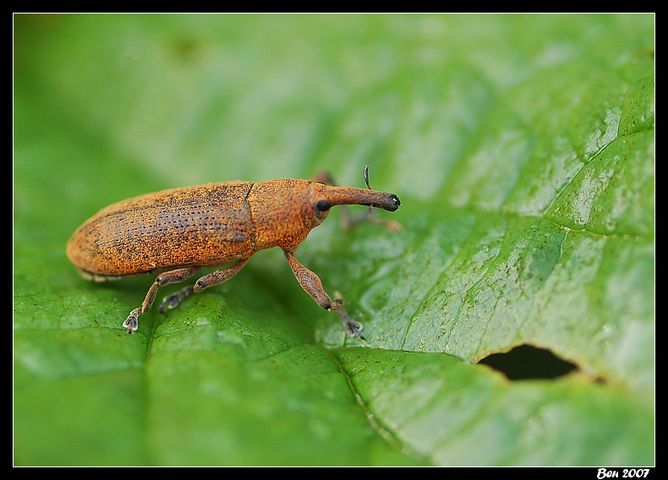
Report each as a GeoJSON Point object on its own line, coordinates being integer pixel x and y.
{"type": "Point", "coordinates": [175, 232]}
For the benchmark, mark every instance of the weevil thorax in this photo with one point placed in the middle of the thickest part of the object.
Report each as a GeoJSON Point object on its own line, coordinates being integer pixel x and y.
{"type": "Point", "coordinates": [283, 212]}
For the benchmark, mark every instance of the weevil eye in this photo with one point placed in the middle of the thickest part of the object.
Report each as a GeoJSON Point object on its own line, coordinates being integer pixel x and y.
{"type": "Point", "coordinates": [323, 205]}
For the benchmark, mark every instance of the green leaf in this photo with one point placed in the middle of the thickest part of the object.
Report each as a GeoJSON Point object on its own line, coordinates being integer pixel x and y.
{"type": "Point", "coordinates": [522, 148]}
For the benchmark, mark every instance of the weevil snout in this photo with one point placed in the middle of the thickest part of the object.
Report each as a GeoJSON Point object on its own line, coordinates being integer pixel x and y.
{"type": "Point", "coordinates": [358, 196]}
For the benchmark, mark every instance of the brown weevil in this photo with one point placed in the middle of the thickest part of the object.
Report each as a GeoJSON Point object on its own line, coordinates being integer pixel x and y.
{"type": "Point", "coordinates": [175, 232]}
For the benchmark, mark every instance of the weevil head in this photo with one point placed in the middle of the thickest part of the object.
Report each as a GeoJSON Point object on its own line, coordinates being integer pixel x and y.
{"type": "Point", "coordinates": [285, 211]}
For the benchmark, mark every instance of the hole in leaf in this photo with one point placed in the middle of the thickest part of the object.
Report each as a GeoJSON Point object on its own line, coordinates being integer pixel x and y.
{"type": "Point", "coordinates": [527, 362]}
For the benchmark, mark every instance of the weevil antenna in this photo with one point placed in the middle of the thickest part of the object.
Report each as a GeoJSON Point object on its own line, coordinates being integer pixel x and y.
{"type": "Point", "coordinates": [365, 174]}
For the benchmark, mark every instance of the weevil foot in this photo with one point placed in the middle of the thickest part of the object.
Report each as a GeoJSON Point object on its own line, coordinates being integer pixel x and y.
{"type": "Point", "coordinates": [132, 322]}
{"type": "Point", "coordinates": [173, 300]}
{"type": "Point", "coordinates": [390, 225]}
{"type": "Point", "coordinates": [353, 327]}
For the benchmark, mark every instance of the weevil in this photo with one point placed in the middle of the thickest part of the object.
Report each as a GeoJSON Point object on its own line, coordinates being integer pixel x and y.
{"type": "Point", "coordinates": [173, 233]}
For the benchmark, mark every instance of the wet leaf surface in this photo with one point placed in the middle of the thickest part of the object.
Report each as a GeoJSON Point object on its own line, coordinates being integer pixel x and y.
{"type": "Point", "coordinates": [522, 148]}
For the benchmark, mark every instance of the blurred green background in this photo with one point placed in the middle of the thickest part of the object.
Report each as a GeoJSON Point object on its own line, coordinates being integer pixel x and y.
{"type": "Point", "coordinates": [522, 148]}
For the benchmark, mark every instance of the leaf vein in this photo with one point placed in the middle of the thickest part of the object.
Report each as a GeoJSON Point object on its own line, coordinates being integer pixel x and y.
{"type": "Point", "coordinates": [381, 430]}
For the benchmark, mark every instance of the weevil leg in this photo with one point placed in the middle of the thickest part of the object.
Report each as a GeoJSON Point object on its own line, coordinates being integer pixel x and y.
{"type": "Point", "coordinates": [165, 278]}
{"type": "Point", "coordinates": [370, 216]}
{"type": "Point", "coordinates": [175, 299]}
{"type": "Point", "coordinates": [325, 177]}
{"type": "Point", "coordinates": [348, 221]}
{"type": "Point", "coordinates": [312, 285]}
{"type": "Point", "coordinates": [352, 326]}
{"type": "Point", "coordinates": [218, 277]}
{"type": "Point", "coordinates": [213, 278]}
